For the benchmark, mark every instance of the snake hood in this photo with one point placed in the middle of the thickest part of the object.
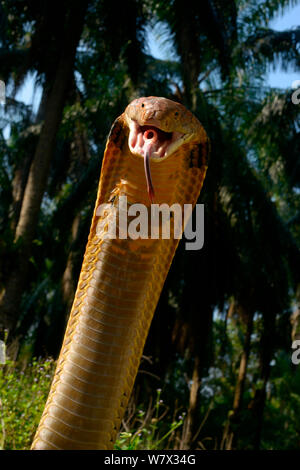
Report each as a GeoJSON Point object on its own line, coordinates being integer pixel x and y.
{"type": "Point", "coordinates": [157, 128]}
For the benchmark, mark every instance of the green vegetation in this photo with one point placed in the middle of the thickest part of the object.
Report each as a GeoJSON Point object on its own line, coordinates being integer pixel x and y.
{"type": "Point", "coordinates": [159, 422]}
{"type": "Point", "coordinates": [23, 392]}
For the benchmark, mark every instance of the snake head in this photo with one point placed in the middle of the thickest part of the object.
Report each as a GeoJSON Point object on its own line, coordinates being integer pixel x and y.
{"type": "Point", "coordinates": [165, 123]}
{"type": "Point", "coordinates": [157, 128]}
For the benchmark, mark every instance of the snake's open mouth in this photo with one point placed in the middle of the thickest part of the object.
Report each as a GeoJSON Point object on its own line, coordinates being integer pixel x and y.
{"type": "Point", "coordinates": [148, 137]}
{"type": "Point", "coordinates": [152, 143]}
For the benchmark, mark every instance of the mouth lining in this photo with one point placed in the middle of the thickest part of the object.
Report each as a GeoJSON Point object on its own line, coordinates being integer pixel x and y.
{"type": "Point", "coordinates": [152, 144]}
{"type": "Point", "coordinates": [162, 143]}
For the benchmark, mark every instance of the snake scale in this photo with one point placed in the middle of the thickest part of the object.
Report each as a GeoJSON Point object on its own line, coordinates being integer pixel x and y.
{"type": "Point", "coordinates": [156, 152]}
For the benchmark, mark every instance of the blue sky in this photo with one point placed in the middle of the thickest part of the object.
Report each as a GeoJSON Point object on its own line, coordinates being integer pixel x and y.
{"type": "Point", "coordinates": [291, 19]}
{"type": "Point", "coordinates": [277, 78]}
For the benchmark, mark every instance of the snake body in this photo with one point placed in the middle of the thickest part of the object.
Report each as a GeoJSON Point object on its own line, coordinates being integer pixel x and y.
{"type": "Point", "coordinates": [121, 279]}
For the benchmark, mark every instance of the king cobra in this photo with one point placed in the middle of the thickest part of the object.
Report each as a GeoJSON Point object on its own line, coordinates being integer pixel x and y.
{"type": "Point", "coordinates": [156, 153]}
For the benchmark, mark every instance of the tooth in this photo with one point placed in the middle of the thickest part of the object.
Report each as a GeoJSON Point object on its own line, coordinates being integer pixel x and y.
{"type": "Point", "coordinates": [140, 139]}
{"type": "Point", "coordinates": [132, 141]}
{"type": "Point", "coordinates": [133, 126]}
{"type": "Point", "coordinates": [162, 149]}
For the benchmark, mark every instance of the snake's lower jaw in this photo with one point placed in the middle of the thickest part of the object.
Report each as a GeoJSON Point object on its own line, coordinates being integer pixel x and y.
{"type": "Point", "coordinates": [179, 139]}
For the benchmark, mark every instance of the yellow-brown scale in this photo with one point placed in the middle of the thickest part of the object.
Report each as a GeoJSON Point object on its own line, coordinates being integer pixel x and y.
{"type": "Point", "coordinates": [118, 290]}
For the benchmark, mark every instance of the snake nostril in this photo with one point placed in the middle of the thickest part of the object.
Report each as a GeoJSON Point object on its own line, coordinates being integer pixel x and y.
{"type": "Point", "coordinates": [148, 114]}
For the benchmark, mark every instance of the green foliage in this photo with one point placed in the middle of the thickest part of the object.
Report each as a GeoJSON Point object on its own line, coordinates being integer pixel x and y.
{"type": "Point", "coordinates": [23, 394]}
{"type": "Point", "coordinates": [281, 430]}
{"type": "Point", "coordinates": [151, 429]}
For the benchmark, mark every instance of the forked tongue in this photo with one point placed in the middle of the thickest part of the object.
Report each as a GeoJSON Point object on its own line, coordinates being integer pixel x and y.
{"type": "Point", "coordinates": [150, 138]}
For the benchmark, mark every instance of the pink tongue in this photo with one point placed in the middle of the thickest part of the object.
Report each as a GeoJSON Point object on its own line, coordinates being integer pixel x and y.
{"type": "Point", "coordinates": [150, 137]}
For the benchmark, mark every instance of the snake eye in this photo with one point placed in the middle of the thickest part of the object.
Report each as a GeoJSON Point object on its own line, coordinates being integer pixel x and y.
{"type": "Point", "coordinates": [143, 105]}
{"type": "Point", "coordinates": [176, 113]}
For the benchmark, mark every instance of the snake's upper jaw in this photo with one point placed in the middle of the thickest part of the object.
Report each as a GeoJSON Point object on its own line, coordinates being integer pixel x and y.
{"type": "Point", "coordinates": [142, 138]}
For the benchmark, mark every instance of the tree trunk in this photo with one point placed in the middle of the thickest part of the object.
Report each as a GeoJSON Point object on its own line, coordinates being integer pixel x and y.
{"type": "Point", "coordinates": [187, 45]}
{"type": "Point", "coordinates": [189, 423]}
{"type": "Point", "coordinates": [198, 337]}
{"type": "Point", "coordinates": [68, 281]}
{"type": "Point", "coordinates": [258, 403]}
{"type": "Point", "coordinates": [22, 170]}
{"type": "Point", "coordinates": [231, 428]}
{"type": "Point", "coordinates": [18, 188]}
{"type": "Point", "coordinates": [10, 297]}
{"type": "Point", "coordinates": [224, 339]}
{"type": "Point", "coordinates": [239, 389]}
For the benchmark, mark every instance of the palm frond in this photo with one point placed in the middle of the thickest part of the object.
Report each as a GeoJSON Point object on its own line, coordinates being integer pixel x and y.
{"type": "Point", "coordinates": [278, 48]}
